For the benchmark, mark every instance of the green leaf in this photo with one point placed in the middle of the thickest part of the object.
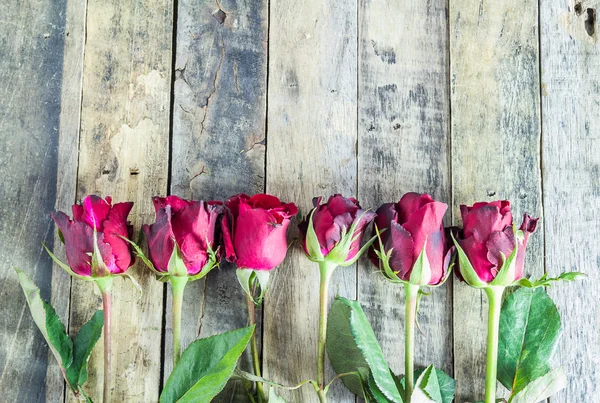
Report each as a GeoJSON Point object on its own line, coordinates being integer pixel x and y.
{"type": "Point", "coordinates": [205, 367]}
{"type": "Point", "coordinates": [529, 331]}
{"type": "Point", "coordinates": [427, 388]}
{"type": "Point", "coordinates": [466, 268]}
{"type": "Point", "coordinates": [349, 330]}
{"type": "Point", "coordinates": [544, 281]}
{"type": "Point", "coordinates": [47, 321]}
{"type": "Point", "coordinates": [82, 348]}
{"type": "Point", "coordinates": [342, 349]}
{"type": "Point", "coordinates": [542, 388]}
{"type": "Point", "coordinates": [375, 394]}
{"type": "Point", "coordinates": [447, 385]}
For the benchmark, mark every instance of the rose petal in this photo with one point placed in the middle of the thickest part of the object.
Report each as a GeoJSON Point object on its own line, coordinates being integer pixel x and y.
{"type": "Point", "coordinates": [423, 222]}
{"type": "Point", "coordinates": [78, 238]}
{"type": "Point", "coordinates": [160, 239]}
{"type": "Point", "coordinates": [477, 254]}
{"type": "Point", "coordinates": [402, 245]}
{"type": "Point", "coordinates": [338, 204]}
{"type": "Point", "coordinates": [95, 211]}
{"type": "Point", "coordinates": [115, 227]}
{"type": "Point", "coordinates": [411, 202]}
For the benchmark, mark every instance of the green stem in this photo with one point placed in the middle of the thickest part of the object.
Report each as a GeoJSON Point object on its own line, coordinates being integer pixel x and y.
{"type": "Point", "coordinates": [178, 284]}
{"type": "Point", "coordinates": [104, 285]}
{"type": "Point", "coordinates": [411, 292]}
{"type": "Point", "coordinates": [494, 294]}
{"type": "Point", "coordinates": [254, 347]}
{"type": "Point", "coordinates": [326, 270]}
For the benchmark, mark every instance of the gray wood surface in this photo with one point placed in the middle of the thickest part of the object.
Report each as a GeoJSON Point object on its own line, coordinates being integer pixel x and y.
{"type": "Point", "coordinates": [403, 146]}
{"type": "Point", "coordinates": [311, 151]}
{"type": "Point", "coordinates": [218, 144]}
{"type": "Point", "coordinates": [371, 98]}
{"type": "Point", "coordinates": [31, 76]}
{"type": "Point", "coordinates": [571, 168]}
{"type": "Point", "coordinates": [495, 147]}
{"type": "Point", "coordinates": [124, 153]}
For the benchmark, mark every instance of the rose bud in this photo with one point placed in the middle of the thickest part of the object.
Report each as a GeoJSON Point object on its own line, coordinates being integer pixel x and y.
{"type": "Point", "coordinates": [332, 232]}
{"type": "Point", "coordinates": [182, 240]}
{"type": "Point", "coordinates": [95, 239]}
{"type": "Point", "coordinates": [255, 237]}
{"type": "Point", "coordinates": [491, 251]}
{"type": "Point", "coordinates": [254, 230]}
{"type": "Point", "coordinates": [412, 246]}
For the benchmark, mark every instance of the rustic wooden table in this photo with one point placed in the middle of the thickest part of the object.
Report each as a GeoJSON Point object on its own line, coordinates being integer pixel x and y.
{"type": "Point", "coordinates": [466, 100]}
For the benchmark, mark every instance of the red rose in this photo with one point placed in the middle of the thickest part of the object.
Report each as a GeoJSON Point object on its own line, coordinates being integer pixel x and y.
{"type": "Point", "coordinates": [488, 239]}
{"type": "Point", "coordinates": [190, 224]}
{"type": "Point", "coordinates": [254, 230]}
{"type": "Point", "coordinates": [110, 223]}
{"type": "Point", "coordinates": [339, 226]}
{"type": "Point", "coordinates": [411, 227]}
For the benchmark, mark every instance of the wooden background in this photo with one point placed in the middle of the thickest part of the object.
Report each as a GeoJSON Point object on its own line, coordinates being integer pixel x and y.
{"type": "Point", "coordinates": [466, 100]}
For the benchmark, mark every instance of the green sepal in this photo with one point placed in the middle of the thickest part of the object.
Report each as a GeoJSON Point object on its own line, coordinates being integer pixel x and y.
{"type": "Point", "coordinates": [312, 242]}
{"type": "Point", "coordinates": [384, 260]}
{"type": "Point", "coordinates": [137, 250]}
{"type": "Point", "coordinates": [99, 268]}
{"type": "Point", "coordinates": [65, 266]}
{"type": "Point", "coordinates": [211, 263]}
{"type": "Point", "coordinates": [466, 269]}
{"type": "Point", "coordinates": [340, 252]}
{"type": "Point", "coordinates": [249, 279]}
{"type": "Point", "coordinates": [176, 266]}
{"type": "Point", "coordinates": [362, 250]}
{"type": "Point", "coordinates": [421, 270]}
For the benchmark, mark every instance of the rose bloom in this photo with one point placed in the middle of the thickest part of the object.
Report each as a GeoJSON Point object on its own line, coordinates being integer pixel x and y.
{"type": "Point", "coordinates": [190, 224]}
{"type": "Point", "coordinates": [409, 226]}
{"type": "Point", "coordinates": [254, 230]}
{"type": "Point", "coordinates": [488, 233]}
{"type": "Point", "coordinates": [110, 222]}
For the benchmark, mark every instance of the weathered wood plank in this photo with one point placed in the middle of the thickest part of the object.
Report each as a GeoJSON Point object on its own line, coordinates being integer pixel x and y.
{"type": "Point", "coordinates": [124, 153]}
{"type": "Point", "coordinates": [66, 181]}
{"type": "Point", "coordinates": [571, 167]}
{"type": "Point", "coordinates": [495, 146]}
{"type": "Point", "coordinates": [31, 70]}
{"type": "Point", "coordinates": [403, 142]}
{"type": "Point", "coordinates": [218, 143]}
{"type": "Point", "coordinates": [311, 151]}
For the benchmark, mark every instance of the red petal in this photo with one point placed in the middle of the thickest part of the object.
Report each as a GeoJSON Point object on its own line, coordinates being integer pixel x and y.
{"type": "Point", "coordinates": [160, 240]}
{"type": "Point", "coordinates": [338, 205]}
{"type": "Point", "coordinates": [78, 243]}
{"type": "Point", "coordinates": [485, 219]}
{"type": "Point", "coordinates": [95, 211]}
{"type": "Point", "coordinates": [402, 245]}
{"type": "Point", "coordinates": [116, 226]}
{"type": "Point", "coordinates": [423, 222]}
{"type": "Point", "coordinates": [477, 254]}
{"type": "Point", "coordinates": [411, 202]}
{"type": "Point", "coordinates": [228, 232]}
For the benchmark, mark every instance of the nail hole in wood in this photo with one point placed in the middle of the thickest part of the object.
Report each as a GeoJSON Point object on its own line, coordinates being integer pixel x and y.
{"type": "Point", "coordinates": [577, 8]}
{"type": "Point", "coordinates": [220, 16]}
{"type": "Point", "coordinates": [491, 193]}
{"type": "Point", "coordinates": [134, 171]}
{"type": "Point", "coordinates": [590, 21]}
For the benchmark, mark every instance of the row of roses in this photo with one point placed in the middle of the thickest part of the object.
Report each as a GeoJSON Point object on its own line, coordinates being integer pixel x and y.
{"type": "Point", "coordinates": [409, 244]}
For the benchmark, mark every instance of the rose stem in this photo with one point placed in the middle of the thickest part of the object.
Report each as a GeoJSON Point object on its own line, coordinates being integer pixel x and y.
{"type": "Point", "coordinates": [411, 292]}
{"type": "Point", "coordinates": [494, 294]}
{"type": "Point", "coordinates": [326, 269]}
{"type": "Point", "coordinates": [104, 284]}
{"type": "Point", "coordinates": [254, 347]}
{"type": "Point", "coordinates": [178, 284]}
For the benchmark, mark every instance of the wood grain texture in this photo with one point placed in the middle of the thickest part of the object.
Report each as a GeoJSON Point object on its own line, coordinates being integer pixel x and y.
{"type": "Point", "coordinates": [311, 151]}
{"type": "Point", "coordinates": [571, 168]}
{"type": "Point", "coordinates": [124, 153]}
{"type": "Point", "coordinates": [495, 146]}
{"type": "Point", "coordinates": [218, 143]}
{"type": "Point", "coordinates": [31, 68]}
{"type": "Point", "coordinates": [404, 145]}
{"type": "Point", "coordinates": [67, 162]}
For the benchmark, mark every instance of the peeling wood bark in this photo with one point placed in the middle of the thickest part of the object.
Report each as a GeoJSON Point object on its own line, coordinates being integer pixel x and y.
{"type": "Point", "coordinates": [403, 146]}
{"type": "Point", "coordinates": [125, 130]}
{"type": "Point", "coordinates": [571, 167]}
{"type": "Point", "coordinates": [218, 144]}
{"type": "Point", "coordinates": [495, 146]}
{"type": "Point", "coordinates": [311, 151]}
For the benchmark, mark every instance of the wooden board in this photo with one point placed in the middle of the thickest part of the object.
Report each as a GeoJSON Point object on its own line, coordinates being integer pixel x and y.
{"type": "Point", "coordinates": [31, 72]}
{"type": "Point", "coordinates": [403, 146]}
{"type": "Point", "coordinates": [218, 144]}
{"type": "Point", "coordinates": [66, 180]}
{"type": "Point", "coordinates": [571, 134]}
{"type": "Point", "coordinates": [311, 151]}
{"type": "Point", "coordinates": [124, 153]}
{"type": "Point", "coordinates": [495, 146]}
